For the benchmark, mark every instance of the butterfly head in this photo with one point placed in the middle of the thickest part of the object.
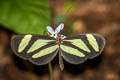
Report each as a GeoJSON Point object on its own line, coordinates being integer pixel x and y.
{"type": "Point", "coordinates": [54, 35]}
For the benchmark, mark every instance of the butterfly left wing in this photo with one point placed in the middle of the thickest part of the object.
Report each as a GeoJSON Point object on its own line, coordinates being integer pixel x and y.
{"type": "Point", "coordinates": [76, 49]}
{"type": "Point", "coordinates": [38, 49]}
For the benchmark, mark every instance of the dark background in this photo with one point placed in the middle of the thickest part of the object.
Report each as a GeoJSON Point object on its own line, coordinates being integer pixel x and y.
{"type": "Point", "coordinates": [89, 16]}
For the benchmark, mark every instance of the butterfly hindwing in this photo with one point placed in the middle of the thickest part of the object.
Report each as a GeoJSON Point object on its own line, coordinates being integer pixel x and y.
{"type": "Point", "coordinates": [38, 49]}
{"type": "Point", "coordinates": [77, 48]}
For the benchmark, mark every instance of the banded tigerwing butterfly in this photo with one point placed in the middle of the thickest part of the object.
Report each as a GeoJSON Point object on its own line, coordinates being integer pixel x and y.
{"type": "Point", "coordinates": [41, 50]}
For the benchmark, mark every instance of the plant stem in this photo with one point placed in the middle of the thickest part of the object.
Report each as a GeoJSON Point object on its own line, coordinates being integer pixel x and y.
{"type": "Point", "coordinates": [50, 71]}
{"type": "Point", "coordinates": [49, 64]}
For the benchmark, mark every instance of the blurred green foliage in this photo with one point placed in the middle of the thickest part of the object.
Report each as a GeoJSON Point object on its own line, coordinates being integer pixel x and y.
{"type": "Point", "coordinates": [68, 8]}
{"type": "Point", "coordinates": [59, 18]}
{"type": "Point", "coordinates": [25, 16]}
{"type": "Point", "coordinates": [70, 28]}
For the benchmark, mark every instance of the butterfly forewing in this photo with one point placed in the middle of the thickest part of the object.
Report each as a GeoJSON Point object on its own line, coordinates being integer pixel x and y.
{"type": "Point", "coordinates": [38, 49]}
{"type": "Point", "coordinates": [76, 49]}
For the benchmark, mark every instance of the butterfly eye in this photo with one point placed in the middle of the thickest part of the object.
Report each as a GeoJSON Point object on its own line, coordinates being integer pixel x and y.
{"type": "Point", "coordinates": [53, 34]}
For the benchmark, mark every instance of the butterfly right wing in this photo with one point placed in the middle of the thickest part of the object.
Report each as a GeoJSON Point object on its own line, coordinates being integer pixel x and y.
{"type": "Point", "coordinates": [76, 49]}
{"type": "Point", "coordinates": [38, 49]}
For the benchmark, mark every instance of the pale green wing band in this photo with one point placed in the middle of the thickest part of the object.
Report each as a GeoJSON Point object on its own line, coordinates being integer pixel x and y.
{"type": "Point", "coordinates": [24, 42]}
{"type": "Point", "coordinates": [38, 44]}
{"type": "Point", "coordinates": [45, 51]}
{"type": "Point", "coordinates": [71, 50]}
{"type": "Point", "coordinates": [80, 44]}
{"type": "Point", "coordinates": [92, 41]}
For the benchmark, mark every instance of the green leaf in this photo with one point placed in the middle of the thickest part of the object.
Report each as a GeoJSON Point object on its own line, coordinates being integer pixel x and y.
{"type": "Point", "coordinates": [25, 16]}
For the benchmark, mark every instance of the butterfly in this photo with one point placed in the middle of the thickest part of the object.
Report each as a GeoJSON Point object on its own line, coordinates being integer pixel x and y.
{"type": "Point", "coordinates": [41, 50]}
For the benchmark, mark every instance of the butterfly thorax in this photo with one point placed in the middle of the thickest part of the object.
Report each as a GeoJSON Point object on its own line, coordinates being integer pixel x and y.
{"type": "Point", "coordinates": [59, 38]}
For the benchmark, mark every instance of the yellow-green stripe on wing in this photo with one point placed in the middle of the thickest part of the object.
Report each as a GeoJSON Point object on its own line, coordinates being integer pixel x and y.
{"type": "Point", "coordinates": [80, 44]}
{"type": "Point", "coordinates": [89, 45]}
{"type": "Point", "coordinates": [96, 44]}
{"type": "Point", "coordinates": [38, 44]}
{"type": "Point", "coordinates": [45, 55]}
{"type": "Point", "coordinates": [26, 46]}
{"type": "Point", "coordinates": [71, 54]}
{"type": "Point", "coordinates": [71, 50]}
{"type": "Point", "coordinates": [93, 42]}
{"type": "Point", "coordinates": [24, 42]}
